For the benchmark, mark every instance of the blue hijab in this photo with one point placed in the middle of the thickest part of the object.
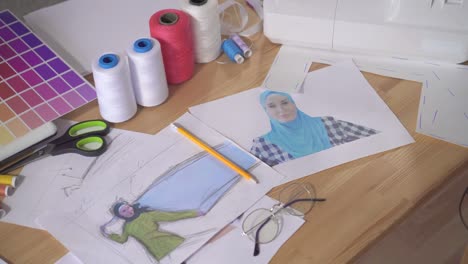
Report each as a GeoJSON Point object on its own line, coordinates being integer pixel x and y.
{"type": "Point", "coordinates": [300, 137]}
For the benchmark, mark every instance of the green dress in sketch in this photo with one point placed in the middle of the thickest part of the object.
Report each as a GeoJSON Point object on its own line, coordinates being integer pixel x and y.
{"type": "Point", "coordinates": [145, 229]}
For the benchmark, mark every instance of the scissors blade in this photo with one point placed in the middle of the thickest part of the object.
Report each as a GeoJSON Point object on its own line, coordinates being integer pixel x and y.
{"type": "Point", "coordinates": [39, 154]}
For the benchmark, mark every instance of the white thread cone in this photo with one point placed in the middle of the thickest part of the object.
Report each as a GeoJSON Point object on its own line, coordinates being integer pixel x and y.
{"type": "Point", "coordinates": [206, 28]}
{"type": "Point", "coordinates": [148, 75]}
{"type": "Point", "coordinates": [114, 91]}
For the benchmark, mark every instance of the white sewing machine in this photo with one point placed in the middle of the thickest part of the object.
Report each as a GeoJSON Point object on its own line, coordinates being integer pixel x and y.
{"type": "Point", "coordinates": [435, 30]}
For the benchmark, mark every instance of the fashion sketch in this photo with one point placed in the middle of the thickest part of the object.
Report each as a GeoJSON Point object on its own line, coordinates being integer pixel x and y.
{"type": "Point", "coordinates": [189, 189]}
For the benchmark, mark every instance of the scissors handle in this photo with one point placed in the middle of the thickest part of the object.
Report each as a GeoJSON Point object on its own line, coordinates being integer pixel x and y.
{"type": "Point", "coordinates": [90, 146]}
{"type": "Point", "coordinates": [83, 129]}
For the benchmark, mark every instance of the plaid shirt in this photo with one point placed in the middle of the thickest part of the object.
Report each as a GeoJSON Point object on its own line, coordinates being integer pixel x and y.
{"type": "Point", "coordinates": [339, 132]}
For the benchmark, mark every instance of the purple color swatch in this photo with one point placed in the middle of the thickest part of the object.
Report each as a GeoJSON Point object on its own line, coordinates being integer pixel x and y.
{"type": "Point", "coordinates": [46, 112]}
{"type": "Point", "coordinates": [7, 17]}
{"type": "Point", "coordinates": [74, 99]}
{"type": "Point", "coordinates": [31, 40]}
{"type": "Point", "coordinates": [6, 34]}
{"type": "Point", "coordinates": [19, 28]}
{"type": "Point", "coordinates": [32, 98]}
{"type": "Point", "coordinates": [60, 106]}
{"type": "Point", "coordinates": [45, 71]}
{"type": "Point", "coordinates": [31, 77]}
{"type": "Point", "coordinates": [6, 52]}
{"type": "Point", "coordinates": [45, 53]}
{"type": "Point", "coordinates": [59, 85]}
{"type": "Point", "coordinates": [31, 58]}
{"type": "Point", "coordinates": [58, 65]}
{"type": "Point", "coordinates": [18, 64]}
{"type": "Point", "coordinates": [18, 45]}
{"type": "Point", "coordinates": [45, 91]}
{"type": "Point", "coordinates": [87, 92]}
{"type": "Point", "coordinates": [72, 78]}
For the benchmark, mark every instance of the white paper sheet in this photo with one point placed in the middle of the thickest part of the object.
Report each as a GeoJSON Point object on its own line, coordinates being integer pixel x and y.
{"type": "Point", "coordinates": [234, 247]}
{"type": "Point", "coordinates": [69, 258]}
{"type": "Point", "coordinates": [288, 71]}
{"type": "Point", "coordinates": [77, 220]}
{"type": "Point", "coordinates": [443, 110]}
{"type": "Point", "coordinates": [339, 91]}
{"type": "Point", "coordinates": [45, 182]}
{"type": "Point", "coordinates": [81, 30]}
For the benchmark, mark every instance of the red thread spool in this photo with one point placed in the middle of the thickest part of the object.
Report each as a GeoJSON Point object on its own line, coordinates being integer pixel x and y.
{"type": "Point", "coordinates": [5, 190]}
{"type": "Point", "coordinates": [171, 27]}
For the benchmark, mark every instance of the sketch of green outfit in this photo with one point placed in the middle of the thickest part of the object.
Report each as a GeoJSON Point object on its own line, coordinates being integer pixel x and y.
{"type": "Point", "coordinates": [145, 229]}
{"type": "Point", "coordinates": [187, 190]}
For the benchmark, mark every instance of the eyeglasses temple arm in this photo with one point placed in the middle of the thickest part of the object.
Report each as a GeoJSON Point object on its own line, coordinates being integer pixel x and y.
{"type": "Point", "coordinates": [257, 232]}
{"type": "Point", "coordinates": [257, 235]}
{"type": "Point", "coordinates": [304, 200]}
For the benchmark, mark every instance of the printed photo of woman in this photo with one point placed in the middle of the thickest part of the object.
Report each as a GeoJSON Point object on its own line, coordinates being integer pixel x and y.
{"type": "Point", "coordinates": [295, 134]}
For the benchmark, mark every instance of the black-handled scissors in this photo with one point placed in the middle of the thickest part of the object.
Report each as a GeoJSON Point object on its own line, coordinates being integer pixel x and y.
{"type": "Point", "coordinates": [84, 138]}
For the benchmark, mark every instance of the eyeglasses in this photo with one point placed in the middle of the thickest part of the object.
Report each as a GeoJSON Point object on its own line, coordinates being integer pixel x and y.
{"type": "Point", "coordinates": [264, 225]}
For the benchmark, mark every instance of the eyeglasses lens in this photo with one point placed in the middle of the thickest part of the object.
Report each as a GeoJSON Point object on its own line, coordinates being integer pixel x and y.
{"type": "Point", "coordinates": [255, 220]}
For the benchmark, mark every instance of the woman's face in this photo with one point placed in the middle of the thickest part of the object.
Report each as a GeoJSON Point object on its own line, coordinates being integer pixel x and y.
{"type": "Point", "coordinates": [280, 108]}
{"type": "Point", "coordinates": [126, 211]}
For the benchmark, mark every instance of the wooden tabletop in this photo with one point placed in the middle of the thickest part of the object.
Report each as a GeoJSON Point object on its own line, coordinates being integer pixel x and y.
{"type": "Point", "coordinates": [365, 197]}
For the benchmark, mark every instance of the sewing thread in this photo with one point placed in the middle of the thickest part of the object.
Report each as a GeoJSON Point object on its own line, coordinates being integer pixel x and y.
{"type": "Point", "coordinates": [5, 190]}
{"type": "Point", "coordinates": [232, 51]}
{"type": "Point", "coordinates": [147, 72]}
{"type": "Point", "coordinates": [114, 89]}
{"type": "Point", "coordinates": [246, 51]}
{"type": "Point", "coordinates": [172, 28]}
{"type": "Point", "coordinates": [206, 28]}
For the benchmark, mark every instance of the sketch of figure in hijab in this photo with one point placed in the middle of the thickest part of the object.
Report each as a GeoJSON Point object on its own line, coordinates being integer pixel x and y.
{"type": "Point", "coordinates": [142, 224]}
{"type": "Point", "coordinates": [295, 134]}
{"type": "Point", "coordinates": [187, 190]}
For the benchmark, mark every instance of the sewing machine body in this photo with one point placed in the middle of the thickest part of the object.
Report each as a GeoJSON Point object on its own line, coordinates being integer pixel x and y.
{"type": "Point", "coordinates": [435, 30]}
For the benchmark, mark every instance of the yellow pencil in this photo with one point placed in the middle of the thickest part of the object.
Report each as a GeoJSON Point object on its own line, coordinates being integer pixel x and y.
{"type": "Point", "coordinates": [214, 153]}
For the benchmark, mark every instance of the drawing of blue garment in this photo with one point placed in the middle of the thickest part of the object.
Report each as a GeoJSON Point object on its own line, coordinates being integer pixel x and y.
{"type": "Point", "coordinates": [196, 184]}
{"type": "Point", "coordinates": [300, 137]}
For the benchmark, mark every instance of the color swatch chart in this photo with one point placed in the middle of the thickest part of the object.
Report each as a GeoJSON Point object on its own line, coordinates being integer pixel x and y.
{"type": "Point", "coordinates": [36, 85]}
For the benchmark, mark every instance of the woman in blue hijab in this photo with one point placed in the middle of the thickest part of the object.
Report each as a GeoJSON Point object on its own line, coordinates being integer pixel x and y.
{"type": "Point", "coordinates": [295, 134]}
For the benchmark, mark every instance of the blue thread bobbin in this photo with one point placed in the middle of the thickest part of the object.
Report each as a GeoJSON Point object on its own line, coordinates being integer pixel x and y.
{"type": "Point", "coordinates": [142, 45]}
{"type": "Point", "coordinates": [108, 61]}
{"type": "Point", "coordinates": [232, 51]}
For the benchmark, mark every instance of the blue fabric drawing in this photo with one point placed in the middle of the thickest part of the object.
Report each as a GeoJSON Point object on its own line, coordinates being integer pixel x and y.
{"type": "Point", "coordinates": [196, 184]}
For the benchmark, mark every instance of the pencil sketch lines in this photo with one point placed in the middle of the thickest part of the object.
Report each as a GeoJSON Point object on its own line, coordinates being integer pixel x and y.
{"type": "Point", "coordinates": [131, 174]}
{"type": "Point", "coordinates": [450, 92]}
{"type": "Point", "coordinates": [68, 190]}
{"type": "Point", "coordinates": [435, 116]}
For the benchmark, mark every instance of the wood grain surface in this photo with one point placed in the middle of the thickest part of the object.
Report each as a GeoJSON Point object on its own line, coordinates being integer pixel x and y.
{"type": "Point", "coordinates": [433, 233]}
{"type": "Point", "coordinates": [365, 197]}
